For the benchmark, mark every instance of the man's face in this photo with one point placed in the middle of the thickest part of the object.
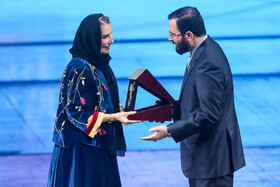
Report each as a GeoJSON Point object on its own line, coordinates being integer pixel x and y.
{"type": "Point", "coordinates": [182, 45]}
{"type": "Point", "coordinates": [106, 38]}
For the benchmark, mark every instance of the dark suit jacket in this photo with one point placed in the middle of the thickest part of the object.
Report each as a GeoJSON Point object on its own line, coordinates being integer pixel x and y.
{"type": "Point", "coordinates": [207, 127]}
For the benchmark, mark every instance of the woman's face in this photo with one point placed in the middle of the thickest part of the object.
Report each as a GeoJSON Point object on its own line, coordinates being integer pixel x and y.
{"type": "Point", "coordinates": [106, 38]}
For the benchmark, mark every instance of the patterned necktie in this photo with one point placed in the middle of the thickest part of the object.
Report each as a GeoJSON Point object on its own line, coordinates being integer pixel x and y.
{"type": "Point", "coordinates": [189, 60]}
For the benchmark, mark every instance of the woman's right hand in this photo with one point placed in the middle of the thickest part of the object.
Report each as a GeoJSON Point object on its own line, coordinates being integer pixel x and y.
{"type": "Point", "coordinates": [121, 117]}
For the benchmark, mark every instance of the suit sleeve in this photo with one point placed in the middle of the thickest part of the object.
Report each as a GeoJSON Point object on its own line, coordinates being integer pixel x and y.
{"type": "Point", "coordinates": [176, 111]}
{"type": "Point", "coordinates": [209, 88]}
{"type": "Point", "coordinates": [83, 102]}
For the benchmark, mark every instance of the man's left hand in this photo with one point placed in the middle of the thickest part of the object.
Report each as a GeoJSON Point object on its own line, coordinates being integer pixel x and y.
{"type": "Point", "coordinates": [160, 133]}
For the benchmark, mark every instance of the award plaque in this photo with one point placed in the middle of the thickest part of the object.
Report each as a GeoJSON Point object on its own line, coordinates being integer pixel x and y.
{"type": "Point", "coordinates": [160, 112]}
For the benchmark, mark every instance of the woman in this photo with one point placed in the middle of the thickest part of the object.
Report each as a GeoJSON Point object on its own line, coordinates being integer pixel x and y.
{"type": "Point", "coordinates": [88, 132]}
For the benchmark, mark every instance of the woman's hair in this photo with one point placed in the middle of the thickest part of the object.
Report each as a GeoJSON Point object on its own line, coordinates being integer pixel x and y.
{"type": "Point", "coordinates": [104, 20]}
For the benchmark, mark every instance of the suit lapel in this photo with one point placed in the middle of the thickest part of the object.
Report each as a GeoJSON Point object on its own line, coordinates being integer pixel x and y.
{"type": "Point", "coordinates": [193, 63]}
{"type": "Point", "coordinates": [187, 73]}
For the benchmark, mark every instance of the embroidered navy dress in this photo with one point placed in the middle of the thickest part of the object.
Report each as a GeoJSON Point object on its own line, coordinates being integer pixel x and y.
{"type": "Point", "coordinates": [82, 142]}
{"type": "Point", "coordinates": [85, 149]}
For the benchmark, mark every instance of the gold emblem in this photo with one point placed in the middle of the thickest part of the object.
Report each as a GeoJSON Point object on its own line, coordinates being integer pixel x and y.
{"type": "Point", "coordinates": [131, 89]}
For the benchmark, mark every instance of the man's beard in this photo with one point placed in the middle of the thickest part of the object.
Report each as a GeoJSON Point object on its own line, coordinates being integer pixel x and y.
{"type": "Point", "coordinates": [182, 46]}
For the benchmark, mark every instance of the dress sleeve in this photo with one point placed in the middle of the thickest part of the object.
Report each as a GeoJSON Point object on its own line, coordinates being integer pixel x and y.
{"type": "Point", "coordinates": [83, 101]}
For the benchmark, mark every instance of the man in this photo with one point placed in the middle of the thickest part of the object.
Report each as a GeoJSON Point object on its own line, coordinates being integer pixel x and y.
{"type": "Point", "coordinates": [205, 121]}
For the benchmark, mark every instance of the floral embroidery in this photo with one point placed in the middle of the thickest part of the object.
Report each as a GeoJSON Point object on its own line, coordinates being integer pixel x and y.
{"type": "Point", "coordinates": [59, 131]}
{"type": "Point", "coordinates": [61, 99]}
{"type": "Point", "coordinates": [83, 101]}
{"type": "Point", "coordinates": [82, 80]}
{"type": "Point", "coordinates": [73, 84]}
{"type": "Point", "coordinates": [79, 108]}
{"type": "Point", "coordinates": [62, 86]}
{"type": "Point", "coordinates": [101, 132]}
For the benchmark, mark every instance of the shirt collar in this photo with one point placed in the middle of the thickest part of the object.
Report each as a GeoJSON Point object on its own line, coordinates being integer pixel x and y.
{"type": "Point", "coordinates": [194, 49]}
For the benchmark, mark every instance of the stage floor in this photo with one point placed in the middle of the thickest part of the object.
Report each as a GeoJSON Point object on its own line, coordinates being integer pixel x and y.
{"type": "Point", "coordinates": [145, 169]}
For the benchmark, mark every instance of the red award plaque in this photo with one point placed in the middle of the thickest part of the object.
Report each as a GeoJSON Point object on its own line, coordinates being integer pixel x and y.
{"type": "Point", "coordinates": [160, 112]}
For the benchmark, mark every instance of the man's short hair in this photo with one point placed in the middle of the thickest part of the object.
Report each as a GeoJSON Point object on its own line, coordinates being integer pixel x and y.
{"type": "Point", "coordinates": [189, 19]}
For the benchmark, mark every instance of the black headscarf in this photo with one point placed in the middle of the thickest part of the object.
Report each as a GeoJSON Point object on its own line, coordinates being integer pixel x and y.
{"type": "Point", "coordinates": [87, 45]}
